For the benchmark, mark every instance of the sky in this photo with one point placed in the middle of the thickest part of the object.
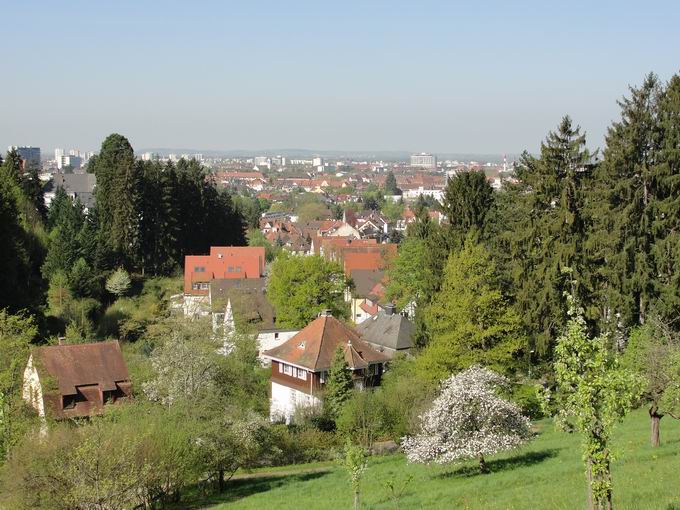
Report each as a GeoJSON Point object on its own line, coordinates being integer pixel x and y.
{"type": "Point", "coordinates": [443, 77]}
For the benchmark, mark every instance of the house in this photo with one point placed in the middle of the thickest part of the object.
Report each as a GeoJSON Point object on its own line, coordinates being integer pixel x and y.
{"type": "Point", "coordinates": [300, 365]}
{"type": "Point", "coordinates": [367, 290]}
{"type": "Point", "coordinates": [70, 381]}
{"type": "Point", "coordinates": [79, 186]}
{"type": "Point", "coordinates": [388, 332]}
{"type": "Point", "coordinates": [223, 262]}
{"type": "Point", "coordinates": [242, 305]}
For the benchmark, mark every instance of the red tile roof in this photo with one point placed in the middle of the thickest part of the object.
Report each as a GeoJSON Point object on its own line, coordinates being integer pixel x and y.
{"type": "Point", "coordinates": [314, 346]}
{"type": "Point", "coordinates": [223, 262]}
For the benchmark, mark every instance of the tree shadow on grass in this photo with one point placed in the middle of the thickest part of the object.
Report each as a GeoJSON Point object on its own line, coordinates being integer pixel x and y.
{"type": "Point", "coordinates": [244, 487]}
{"type": "Point", "coordinates": [497, 465]}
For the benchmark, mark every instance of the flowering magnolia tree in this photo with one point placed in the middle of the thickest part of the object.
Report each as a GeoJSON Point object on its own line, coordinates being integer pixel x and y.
{"type": "Point", "coordinates": [468, 420]}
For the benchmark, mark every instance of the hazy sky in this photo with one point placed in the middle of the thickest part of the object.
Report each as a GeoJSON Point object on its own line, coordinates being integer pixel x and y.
{"type": "Point", "coordinates": [473, 76]}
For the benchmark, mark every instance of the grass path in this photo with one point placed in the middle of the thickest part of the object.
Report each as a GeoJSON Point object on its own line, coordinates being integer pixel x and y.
{"type": "Point", "coordinates": [546, 474]}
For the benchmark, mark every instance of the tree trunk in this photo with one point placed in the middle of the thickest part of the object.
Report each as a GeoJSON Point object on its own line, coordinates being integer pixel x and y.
{"type": "Point", "coordinates": [220, 481]}
{"type": "Point", "coordinates": [589, 475]}
{"type": "Point", "coordinates": [483, 468]}
{"type": "Point", "coordinates": [656, 422]}
{"type": "Point", "coordinates": [356, 500]}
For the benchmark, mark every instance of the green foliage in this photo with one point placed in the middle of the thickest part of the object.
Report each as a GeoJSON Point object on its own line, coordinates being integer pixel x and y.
{"type": "Point", "coordinates": [593, 393]}
{"type": "Point", "coordinates": [355, 463]}
{"type": "Point", "coordinates": [407, 275]}
{"type": "Point", "coordinates": [361, 418]}
{"type": "Point", "coordinates": [548, 226]}
{"type": "Point", "coordinates": [311, 211]}
{"type": "Point", "coordinates": [16, 334]}
{"type": "Point", "coordinates": [339, 385]}
{"type": "Point", "coordinates": [257, 238]}
{"type": "Point", "coordinates": [391, 187]}
{"type": "Point", "coordinates": [469, 320]}
{"type": "Point", "coordinates": [467, 201]}
{"type": "Point", "coordinates": [393, 210]}
{"type": "Point", "coordinates": [301, 287]}
{"type": "Point", "coordinates": [118, 283]}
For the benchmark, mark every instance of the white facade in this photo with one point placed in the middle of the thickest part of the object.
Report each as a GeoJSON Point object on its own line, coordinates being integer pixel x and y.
{"type": "Point", "coordinates": [424, 160]}
{"type": "Point", "coordinates": [32, 390]}
{"type": "Point", "coordinates": [285, 401]}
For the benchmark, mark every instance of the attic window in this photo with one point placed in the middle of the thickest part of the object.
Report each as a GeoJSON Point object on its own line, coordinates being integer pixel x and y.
{"type": "Point", "coordinates": [301, 345]}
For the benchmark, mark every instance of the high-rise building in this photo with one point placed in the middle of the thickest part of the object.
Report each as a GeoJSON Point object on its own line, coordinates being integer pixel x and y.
{"type": "Point", "coordinates": [58, 153]}
{"type": "Point", "coordinates": [29, 155]}
{"type": "Point", "coordinates": [424, 160]}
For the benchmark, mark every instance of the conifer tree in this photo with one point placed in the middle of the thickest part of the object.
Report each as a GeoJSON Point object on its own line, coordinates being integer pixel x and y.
{"type": "Point", "coordinates": [467, 201]}
{"type": "Point", "coordinates": [628, 209]}
{"type": "Point", "coordinates": [339, 385]}
{"type": "Point", "coordinates": [548, 231]}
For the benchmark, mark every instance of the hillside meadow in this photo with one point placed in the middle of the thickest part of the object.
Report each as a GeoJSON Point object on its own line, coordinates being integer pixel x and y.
{"type": "Point", "coordinates": [547, 473]}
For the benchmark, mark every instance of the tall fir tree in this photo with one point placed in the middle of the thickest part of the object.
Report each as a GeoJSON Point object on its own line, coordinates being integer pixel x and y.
{"type": "Point", "coordinates": [468, 200]}
{"type": "Point", "coordinates": [548, 231]}
{"type": "Point", "coordinates": [628, 211]}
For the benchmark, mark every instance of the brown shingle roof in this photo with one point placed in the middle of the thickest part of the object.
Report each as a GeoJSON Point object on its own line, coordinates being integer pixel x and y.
{"type": "Point", "coordinates": [315, 345]}
{"type": "Point", "coordinates": [83, 364]}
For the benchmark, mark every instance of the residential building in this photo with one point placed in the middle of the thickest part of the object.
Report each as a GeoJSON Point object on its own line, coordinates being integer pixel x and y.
{"type": "Point", "coordinates": [241, 307]}
{"type": "Point", "coordinates": [424, 160]}
{"type": "Point", "coordinates": [223, 262]}
{"type": "Point", "coordinates": [77, 186]}
{"type": "Point", "coordinates": [368, 288]}
{"type": "Point", "coordinates": [388, 332]}
{"type": "Point", "coordinates": [300, 365]}
{"type": "Point", "coordinates": [69, 381]}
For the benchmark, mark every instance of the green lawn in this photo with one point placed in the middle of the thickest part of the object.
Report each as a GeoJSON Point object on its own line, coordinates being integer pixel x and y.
{"type": "Point", "coordinates": [545, 474]}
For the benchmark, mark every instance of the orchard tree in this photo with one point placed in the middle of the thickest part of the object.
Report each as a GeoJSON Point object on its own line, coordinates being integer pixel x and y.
{"type": "Point", "coordinates": [355, 462]}
{"type": "Point", "coordinates": [653, 352]}
{"type": "Point", "coordinates": [593, 393]}
{"type": "Point", "coordinates": [468, 420]}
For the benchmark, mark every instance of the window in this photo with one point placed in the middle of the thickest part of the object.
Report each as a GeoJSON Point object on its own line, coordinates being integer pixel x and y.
{"type": "Point", "coordinates": [302, 374]}
{"type": "Point", "coordinates": [199, 269]}
{"type": "Point", "coordinates": [276, 335]}
{"type": "Point", "coordinates": [196, 286]}
{"type": "Point", "coordinates": [69, 401]}
{"type": "Point", "coordinates": [238, 269]}
{"type": "Point", "coordinates": [204, 286]}
{"type": "Point", "coordinates": [230, 269]}
{"type": "Point", "coordinates": [322, 377]}
{"type": "Point", "coordinates": [287, 369]}
{"type": "Point", "coordinates": [280, 368]}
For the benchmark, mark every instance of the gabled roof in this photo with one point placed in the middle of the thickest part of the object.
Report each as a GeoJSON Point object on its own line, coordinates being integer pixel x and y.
{"type": "Point", "coordinates": [365, 281]}
{"type": "Point", "coordinates": [70, 366]}
{"type": "Point", "coordinates": [392, 331]}
{"type": "Point", "coordinates": [314, 346]}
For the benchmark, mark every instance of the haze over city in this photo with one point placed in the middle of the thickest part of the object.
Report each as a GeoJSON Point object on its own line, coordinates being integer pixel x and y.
{"type": "Point", "coordinates": [442, 77]}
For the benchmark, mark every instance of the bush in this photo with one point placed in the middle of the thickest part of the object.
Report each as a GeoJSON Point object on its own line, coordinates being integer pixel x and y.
{"type": "Point", "coordinates": [304, 444]}
{"type": "Point", "coordinates": [527, 398]}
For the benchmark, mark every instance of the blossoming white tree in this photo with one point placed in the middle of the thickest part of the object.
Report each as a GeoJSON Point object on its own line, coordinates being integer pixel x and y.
{"type": "Point", "coordinates": [468, 420]}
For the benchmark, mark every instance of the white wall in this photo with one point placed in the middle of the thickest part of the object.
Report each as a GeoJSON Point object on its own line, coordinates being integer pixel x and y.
{"type": "Point", "coordinates": [286, 400]}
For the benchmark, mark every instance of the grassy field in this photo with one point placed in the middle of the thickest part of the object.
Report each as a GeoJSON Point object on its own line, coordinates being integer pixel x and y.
{"type": "Point", "coordinates": [545, 474]}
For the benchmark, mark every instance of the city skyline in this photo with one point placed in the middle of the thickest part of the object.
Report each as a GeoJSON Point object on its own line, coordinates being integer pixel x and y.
{"type": "Point", "coordinates": [433, 77]}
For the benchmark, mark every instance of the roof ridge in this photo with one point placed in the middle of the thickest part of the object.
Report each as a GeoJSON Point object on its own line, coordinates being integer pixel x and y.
{"type": "Point", "coordinates": [323, 330]}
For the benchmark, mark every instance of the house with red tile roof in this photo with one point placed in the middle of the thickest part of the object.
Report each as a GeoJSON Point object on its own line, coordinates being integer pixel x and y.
{"type": "Point", "coordinates": [71, 381]}
{"type": "Point", "coordinates": [300, 365]}
{"type": "Point", "coordinates": [223, 262]}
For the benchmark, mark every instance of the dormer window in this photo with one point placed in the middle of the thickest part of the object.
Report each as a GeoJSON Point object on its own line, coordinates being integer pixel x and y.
{"type": "Point", "coordinates": [301, 345]}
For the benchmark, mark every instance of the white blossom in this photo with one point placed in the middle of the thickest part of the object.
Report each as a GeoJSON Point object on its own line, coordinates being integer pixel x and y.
{"type": "Point", "coordinates": [468, 420]}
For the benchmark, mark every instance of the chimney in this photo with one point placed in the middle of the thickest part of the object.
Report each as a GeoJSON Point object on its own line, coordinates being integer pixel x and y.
{"type": "Point", "coordinates": [390, 309]}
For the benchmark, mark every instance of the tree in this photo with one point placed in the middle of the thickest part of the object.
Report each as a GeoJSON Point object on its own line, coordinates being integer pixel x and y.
{"type": "Point", "coordinates": [16, 334]}
{"type": "Point", "coordinates": [59, 297]}
{"type": "Point", "coordinates": [391, 187]}
{"type": "Point", "coordinates": [339, 385]}
{"type": "Point", "coordinates": [301, 287]}
{"type": "Point", "coordinates": [311, 211]}
{"type": "Point", "coordinates": [354, 461]}
{"type": "Point", "coordinates": [469, 320]}
{"type": "Point", "coordinates": [468, 199]}
{"type": "Point", "coordinates": [653, 352]}
{"type": "Point", "coordinates": [627, 206]}
{"type": "Point", "coordinates": [548, 231]}
{"type": "Point", "coordinates": [407, 275]}
{"type": "Point", "coordinates": [592, 394]}
{"type": "Point", "coordinates": [118, 283]}
{"type": "Point", "coordinates": [468, 420]}
{"type": "Point", "coordinates": [184, 365]}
